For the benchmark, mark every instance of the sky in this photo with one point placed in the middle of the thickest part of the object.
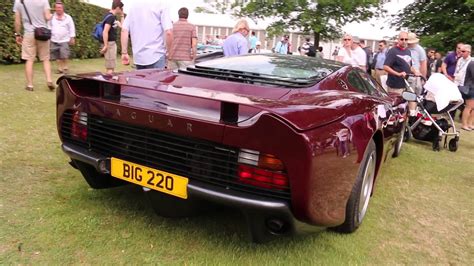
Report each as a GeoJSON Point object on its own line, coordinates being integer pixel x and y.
{"type": "Point", "coordinates": [365, 30]}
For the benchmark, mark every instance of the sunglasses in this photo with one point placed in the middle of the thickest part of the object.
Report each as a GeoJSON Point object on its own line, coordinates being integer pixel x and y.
{"type": "Point", "coordinates": [346, 39]}
{"type": "Point", "coordinates": [465, 51]}
{"type": "Point", "coordinates": [403, 39]}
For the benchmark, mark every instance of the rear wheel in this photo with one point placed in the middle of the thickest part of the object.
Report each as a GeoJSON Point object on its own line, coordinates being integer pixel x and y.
{"type": "Point", "coordinates": [95, 179]}
{"type": "Point", "coordinates": [358, 202]}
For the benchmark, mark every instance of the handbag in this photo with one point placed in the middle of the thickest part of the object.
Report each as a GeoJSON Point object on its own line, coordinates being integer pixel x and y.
{"type": "Point", "coordinates": [41, 33]}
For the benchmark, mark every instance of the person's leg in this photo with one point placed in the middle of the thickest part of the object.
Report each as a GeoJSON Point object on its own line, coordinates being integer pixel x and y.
{"type": "Point", "coordinates": [28, 53]}
{"type": "Point", "coordinates": [110, 58]}
{"type": "Point", "coordinates": [43, 54]}
{"type": "Point", "coordinates": [64, 53]}
{"type": "Point", "coordinates": [466, 113]}
{"type": "Point", "coordinates": [29, 73]}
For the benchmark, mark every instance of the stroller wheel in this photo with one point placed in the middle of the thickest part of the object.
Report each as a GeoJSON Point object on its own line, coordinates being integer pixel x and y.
{"type": "Point", "coordinates": [453, 145]}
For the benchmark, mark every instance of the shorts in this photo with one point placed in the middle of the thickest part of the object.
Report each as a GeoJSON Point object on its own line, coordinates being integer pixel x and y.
{"type": "Point", "coordinates": [59, 50]}
{"type": "Point", "coordinates": [396, 90]}
{"type": "Point", "coordinates": [111, 56]}
{"type": "Point", "coordinates": [415, 83]}
{"type": "Point", "coordinates": [30, 48]}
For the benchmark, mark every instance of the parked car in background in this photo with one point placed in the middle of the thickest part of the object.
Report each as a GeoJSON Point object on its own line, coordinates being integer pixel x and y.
{"type": "Point", "coordinates": [288, 140]}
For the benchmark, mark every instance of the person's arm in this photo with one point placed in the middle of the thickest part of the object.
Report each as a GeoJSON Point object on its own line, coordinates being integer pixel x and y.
{"type": "Point", "coordinates": [124, 46]}
{"type": "Point", "coordinates": [105, 38]}
{"type": "Point", "coordinates": [47, 12]}
{"type": "Point", "coordinates": [194, 48]}
{"type": "Point", "coordinates": [169, 40]}
{"type": "Point", "coordinates": [424, 68]}
{"type": "Point", "coordinates": [18, 37]}
{"type": "Point", "coordinates": [72, 32]}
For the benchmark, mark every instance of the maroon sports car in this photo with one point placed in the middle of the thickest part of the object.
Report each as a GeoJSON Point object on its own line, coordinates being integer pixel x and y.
{"type": "Point", "coordinates": [291, 141]}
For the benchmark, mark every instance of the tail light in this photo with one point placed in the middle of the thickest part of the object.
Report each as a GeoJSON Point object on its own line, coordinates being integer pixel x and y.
{"type": "Point", "coordinates": [262, 170]}
{"type": "Point", "coordinates": [79, 126]}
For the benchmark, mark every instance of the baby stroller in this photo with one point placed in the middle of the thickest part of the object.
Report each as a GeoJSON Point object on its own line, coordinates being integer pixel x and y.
{"type": "Point", "coordinates": [439, 97]}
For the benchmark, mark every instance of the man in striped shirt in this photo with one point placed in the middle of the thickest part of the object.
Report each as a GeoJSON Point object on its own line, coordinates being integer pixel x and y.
{"type": "Point", "coordinates": [183, 46]}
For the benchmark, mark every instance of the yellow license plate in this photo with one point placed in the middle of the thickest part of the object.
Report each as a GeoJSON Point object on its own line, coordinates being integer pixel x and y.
{"type": "Point", "coordinates": [151, 178]}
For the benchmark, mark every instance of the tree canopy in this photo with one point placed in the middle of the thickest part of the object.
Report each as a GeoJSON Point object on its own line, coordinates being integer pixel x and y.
{"type": "Point", "coordinates": [439, 23]}
{"type": "Point", "coordinates": [323, 18]}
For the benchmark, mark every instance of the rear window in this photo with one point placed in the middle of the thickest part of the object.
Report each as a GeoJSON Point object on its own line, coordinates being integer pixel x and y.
{"type": "Point", "coordinates": [291, 67]}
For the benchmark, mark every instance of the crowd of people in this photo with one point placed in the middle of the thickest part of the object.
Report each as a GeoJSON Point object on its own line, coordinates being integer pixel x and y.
{"type": "Point", "coordinates": [156, 41]}
{"type": "Point", "coordinates": [391, 65]}
{"type": "Point", "coordinates": [159, 43]}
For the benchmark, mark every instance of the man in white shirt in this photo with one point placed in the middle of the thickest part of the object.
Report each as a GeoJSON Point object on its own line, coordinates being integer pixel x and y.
{"type": "Point", "coordinates": [150, 27]}
{"type": "Point", "coordinates": [359, 57]}
{"type": "Point", "coordinates": [63, 34]}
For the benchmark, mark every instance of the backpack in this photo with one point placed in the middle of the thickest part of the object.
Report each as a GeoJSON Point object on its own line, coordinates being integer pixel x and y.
{"type": "Point", "coordinates": [99, 28]}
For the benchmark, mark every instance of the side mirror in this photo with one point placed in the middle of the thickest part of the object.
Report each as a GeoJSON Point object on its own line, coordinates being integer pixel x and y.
{"type": "Point", "coordinates": [409, 96]}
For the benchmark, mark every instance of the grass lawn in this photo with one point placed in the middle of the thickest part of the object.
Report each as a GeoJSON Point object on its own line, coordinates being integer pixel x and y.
{"type": "Point", "coordinates": [421, 213]}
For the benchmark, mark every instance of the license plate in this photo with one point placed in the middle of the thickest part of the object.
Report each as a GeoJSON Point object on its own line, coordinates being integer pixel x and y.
{"type": "Point", "coordinates": [151, 178]}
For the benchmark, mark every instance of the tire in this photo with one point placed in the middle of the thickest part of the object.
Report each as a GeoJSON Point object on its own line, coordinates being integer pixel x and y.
{"type": "Point", "coordinates": [95, 179]}
{"type": "Point", "coordinates": [401, 138]}
{"type": "Point", "coordinates": [358, 202]}
{"type": "Point", "coordinates": [453, 145]}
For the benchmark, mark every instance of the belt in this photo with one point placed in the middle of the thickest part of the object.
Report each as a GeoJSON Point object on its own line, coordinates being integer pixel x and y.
{"type": "Point", "coordinates": [379, 68]}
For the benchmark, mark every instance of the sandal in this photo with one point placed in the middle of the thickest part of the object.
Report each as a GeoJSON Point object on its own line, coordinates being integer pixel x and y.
{"type": "Point", "coordinates": [29, 88]}
{"type": "Point", "coordinates": [466, 128]}
{"type": "Point", "coordinates": [50, 86]}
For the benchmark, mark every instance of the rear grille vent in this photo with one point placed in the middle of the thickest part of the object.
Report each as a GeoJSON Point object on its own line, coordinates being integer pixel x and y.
{"type": "Point", "coordinates": [248, 77]}
{"type": "Point", "coordinates": [195, 159]}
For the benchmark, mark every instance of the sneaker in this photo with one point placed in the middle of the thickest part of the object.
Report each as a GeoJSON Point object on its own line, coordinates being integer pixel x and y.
{"type": "Point", "coordinates": [50, 86]}
{"type": "Point", "coordinates": [29, 88]}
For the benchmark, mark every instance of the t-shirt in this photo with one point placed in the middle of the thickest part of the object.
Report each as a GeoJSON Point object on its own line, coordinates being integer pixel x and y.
{"type": "Point", "coordinates": [62, 29]}
{"type": "Point", "coordinates": [36, 10]}
{"type": "Point", "coordinates": [147, 21]}
{"type": "Point", "coordinates": [418, 54]}
{"type": "Point", "coordinates": [183, 33]}
{"type": "Point", "coordinates": [400, 61]}
{"type": "Point", "coordinates": [112, 32]}
{"type": "Point", "coordinates": [235, 44]}
{"type": "Point", "coordinates": [346, 55]}
{"type": "Point", "coordinates": [450, 60]}
{"type": "Point", "coordinates": [253, 41]}
{"type": "Point", "coordinates": [359, 57]}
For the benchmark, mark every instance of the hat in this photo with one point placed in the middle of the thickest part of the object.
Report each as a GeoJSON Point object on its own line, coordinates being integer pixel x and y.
{"type": "Point", "coordinates": [258, 43]}
{"type": "Point", "coordinates": [355, 39]}
{"type": "Point", "coordinates": [412, 38]}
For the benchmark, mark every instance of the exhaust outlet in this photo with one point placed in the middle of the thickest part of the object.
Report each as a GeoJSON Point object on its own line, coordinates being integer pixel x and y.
{"type": "Point", "coordinates": [276, 226]}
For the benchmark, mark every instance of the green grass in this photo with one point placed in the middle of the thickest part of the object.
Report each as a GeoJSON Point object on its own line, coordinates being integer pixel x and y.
{"type": "Point", "coordinates": [421, 212]}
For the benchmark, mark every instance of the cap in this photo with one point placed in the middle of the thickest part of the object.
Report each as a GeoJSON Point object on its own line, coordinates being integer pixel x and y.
{"type": "Point", "coordinates": [355, 39]}
{"type": "Point", "coordinates": [258, 43]}
{"type": "Point", "coordinates": [412, 38]}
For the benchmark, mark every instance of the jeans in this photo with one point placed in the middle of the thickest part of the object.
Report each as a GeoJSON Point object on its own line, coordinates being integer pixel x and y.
{"type": "Point", "coordinates": [160, 64]}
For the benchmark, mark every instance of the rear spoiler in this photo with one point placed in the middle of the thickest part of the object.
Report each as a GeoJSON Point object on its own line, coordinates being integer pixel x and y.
{"type": "Point", "coordinates": [230, 103]}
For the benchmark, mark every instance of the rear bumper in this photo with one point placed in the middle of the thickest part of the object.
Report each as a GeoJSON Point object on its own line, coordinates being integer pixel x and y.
{"type": "Point", "coordinates": [266, 217]}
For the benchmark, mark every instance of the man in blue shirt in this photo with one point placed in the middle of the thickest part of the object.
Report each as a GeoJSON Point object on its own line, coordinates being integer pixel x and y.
{"type": "Point", "coordinates": [253, 42]}
{"type": "Point", "coordinates": [379, 60]}
{"type": "Point", "coordinates": [282, 46]}
{"type": "Point", "coordinates": [236, 43]}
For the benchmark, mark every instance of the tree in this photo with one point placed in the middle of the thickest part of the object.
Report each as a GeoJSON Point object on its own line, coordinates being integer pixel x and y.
{"type": "Point", "coordinates": [323, 18]}
{"type": "Point", "coordinates": [439, 23]}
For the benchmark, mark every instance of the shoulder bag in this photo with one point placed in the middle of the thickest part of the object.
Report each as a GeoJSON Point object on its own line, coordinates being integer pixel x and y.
{"type": "Point", "coordinates": [41, 33]}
